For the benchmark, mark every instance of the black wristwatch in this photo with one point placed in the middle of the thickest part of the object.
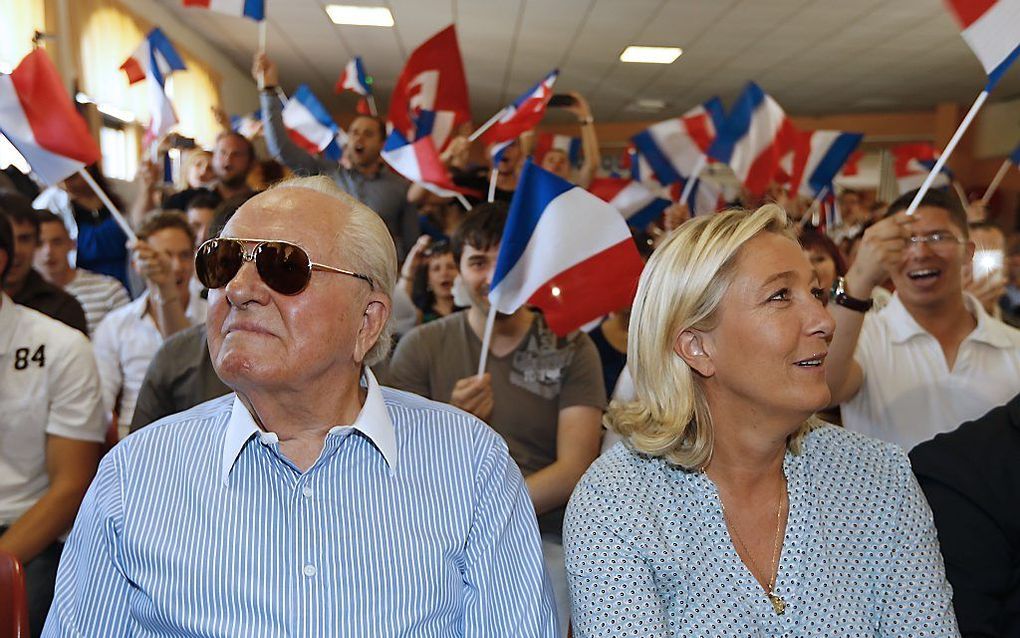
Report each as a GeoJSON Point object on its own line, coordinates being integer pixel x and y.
{"type": "Point", "coordinates": [840, 297]}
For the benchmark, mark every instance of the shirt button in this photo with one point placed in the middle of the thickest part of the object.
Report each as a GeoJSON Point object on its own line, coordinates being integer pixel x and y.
{"type": "Point", "coordinates": [309, 570]}
{"type": "Point", "coordinates": [306, 491]}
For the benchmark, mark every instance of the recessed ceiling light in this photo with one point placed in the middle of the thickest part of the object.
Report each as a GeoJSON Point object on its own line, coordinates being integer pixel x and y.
{"type": "Point", "coordinates": [360, 16]}
{"type": "Point", "coordinates": [651, 55]}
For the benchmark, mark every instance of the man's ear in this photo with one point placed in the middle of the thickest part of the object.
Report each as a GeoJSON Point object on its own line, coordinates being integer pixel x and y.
{"type": "Point", "coordinates": [690, 346]}
{"type": "Point", "coordinates": [373, 320]}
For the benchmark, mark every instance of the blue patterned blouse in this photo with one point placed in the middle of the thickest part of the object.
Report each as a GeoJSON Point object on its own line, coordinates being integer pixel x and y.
{"type": "Point", "coordinates": [648, 553]}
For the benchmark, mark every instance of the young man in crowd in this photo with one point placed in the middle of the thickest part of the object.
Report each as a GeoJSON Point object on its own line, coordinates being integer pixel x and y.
{"type": "Point", "coordinates": [23, 284]}
{"type": "Point", "coordinates": [932, 358]}
{"type": "Point", "coordinates": [129, 337]}
{"type": "Point", "coordinates": [544, 394]}
{"type": "Point", "coordinates": [361, 173]}
{"type": "Point", "coordinates": [51, 430]}
{"type": "Point", "coordinates": [98, 294]}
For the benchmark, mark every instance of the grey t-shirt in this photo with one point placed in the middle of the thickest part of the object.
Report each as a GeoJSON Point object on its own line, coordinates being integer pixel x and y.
{"type": "Point", "coordinates": [530, 386]}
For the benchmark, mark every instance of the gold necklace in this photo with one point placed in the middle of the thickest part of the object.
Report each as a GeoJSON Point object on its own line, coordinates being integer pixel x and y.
{"type": "Point", "coordinates": [778, 604]}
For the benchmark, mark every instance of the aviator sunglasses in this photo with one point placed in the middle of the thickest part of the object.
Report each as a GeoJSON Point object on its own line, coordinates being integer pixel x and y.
{"type": "Point", "coordinates": [283, 266]}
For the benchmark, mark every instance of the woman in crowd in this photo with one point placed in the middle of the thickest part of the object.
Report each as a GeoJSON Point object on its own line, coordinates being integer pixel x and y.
{"type": "Point", "coordinates": [824, 256]}
{"type": "Point", "coordinates": [731, 510]}
{"type": "Point", "coordinates": [427, 276]}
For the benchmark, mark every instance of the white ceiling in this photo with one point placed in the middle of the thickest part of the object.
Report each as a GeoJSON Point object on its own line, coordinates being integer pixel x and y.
{"type": "Point", "coordinates": [815, 57]}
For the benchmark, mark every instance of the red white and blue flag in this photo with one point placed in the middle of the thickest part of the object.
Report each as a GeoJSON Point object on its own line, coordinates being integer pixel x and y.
{"type": "Point", "coordinates": [154, 60]}
{"type": "Point", "coordinates": [310, 126]}
{"type": "Point", "coordinates": [564, 251]}
{"type": "Point", "coordinates": [754, 139]}
{"type": "Point", "coordinates": [991, 28]}
{"type": "Point", "coordinates": [675, 148]}
{"type": "Point", "coordinates": [249, 125]}
{"type": "Point", "coordinates": [254, 9]}
{"type": "Point", "coordinates": [818, 156]}
{"type": "Point", "coordinates": [638, 203]}
{"type": "Point", "coordinates": [431, 96]}
{"type": "Point", "coordinates": [520, 116]}
{"type": "Point", "coordinates": [38, 117]}
{"type": "Point", "coordinates": [419, 162]}
{"type": "Point", "coordinates": [354, 78]}
{"type": "Point", "coordinates": [913, 162]}
{"type": "Point", "coordinates": [545, 142]}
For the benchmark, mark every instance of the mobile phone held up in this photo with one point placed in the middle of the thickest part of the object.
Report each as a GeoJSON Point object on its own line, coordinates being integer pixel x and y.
{"type": "Point", "coordinates": [561, 100]}
{"type": "Point", "coordinates": [987, 262]}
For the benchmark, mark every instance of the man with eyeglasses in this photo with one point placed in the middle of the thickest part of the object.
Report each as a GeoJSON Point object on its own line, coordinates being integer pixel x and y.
{"type": "Point", "coordinates": [933, 357]}
{"type": "Point", "coordinates": [311, 501]}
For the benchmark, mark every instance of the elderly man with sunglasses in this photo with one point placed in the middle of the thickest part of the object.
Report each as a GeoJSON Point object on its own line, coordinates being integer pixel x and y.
{"type": "Point", "coordinates": [310, 501]}
{"type": "Point", "coordinates": [932, 358]}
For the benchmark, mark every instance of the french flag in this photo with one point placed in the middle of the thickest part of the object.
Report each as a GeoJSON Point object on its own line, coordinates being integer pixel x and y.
{"type": "Point", "coordinates": [545, 142]}
{"type": "Point", "coordinates": [913, 162]}
{"type": "Point", "coordinates": [247, 125]}
{"type": "Point", "coordinates": [310, 125]}
{"type": "Point", "coordinates": [39, 119]}
{"type": "Point", "coordinates": [419, 162]}
{"type": "Point", "coordinates": [706, 196]}
{"type": "Point", "coordinates": [991, 28]}
{"type": "Point", "coordinates": [254, 9]}
{"type": "Point", "coordinates": [522, 115]}
{"type": "Point", "coordinates": [154, 60]}
{"type": "Point", "coordinates": [756, 136]}
{"type": "Point", "coordinates": [354, 78]}
{"type": "Point", "coordinates": [564, 251]}
{"type": "Point", "coordinates": [674, 148]}
{"type": "Point", "coordinates": [638, 204]}
{"type": "Point", "coordinates": [818, 158]}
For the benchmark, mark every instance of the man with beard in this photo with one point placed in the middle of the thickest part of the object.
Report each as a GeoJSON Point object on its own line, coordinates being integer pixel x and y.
{"type": "Point", "coordinates": [233, 159]}
{"type": "Point", "coordinates": [932, 358]}
{"type": "Point", "coordinates": [361, 172]}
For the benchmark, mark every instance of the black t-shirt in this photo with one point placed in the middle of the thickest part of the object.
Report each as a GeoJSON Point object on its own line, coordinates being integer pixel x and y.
{"type": "Point", "coordinates": [181, 199]}
{"type": "Point", "coordinates": [613, 361]}
{"type": "Point", "coordinates": [477, 179]}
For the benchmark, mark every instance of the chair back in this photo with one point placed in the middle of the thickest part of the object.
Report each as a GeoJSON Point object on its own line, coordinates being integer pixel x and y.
{"type": "Point", "coordinates": [13, 598]}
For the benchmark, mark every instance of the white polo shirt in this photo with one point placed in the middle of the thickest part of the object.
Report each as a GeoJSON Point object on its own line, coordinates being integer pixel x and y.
{"type": "Point", "coordinates": [48, 385]}
{"type": "Point", "coordinates": [126, 341]}
{"type": "Point", "coordinates": [909, 394]}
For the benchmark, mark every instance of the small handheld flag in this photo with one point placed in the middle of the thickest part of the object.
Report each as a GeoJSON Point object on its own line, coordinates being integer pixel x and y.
{"type": "Point", "coordinates": [253, 9]}
{"type": "Point", "coordinates": [1012, 160]}
{"type": "Point", "coordinates": [521, 115]}
{"type": "Point", "coordinates": [154, 60]}
{"type": "Point", "coordinates": [353, 78]}
{"type": "Point", "coordinates": [310, 126]}
{"type": "Point", "coordinates": [419, 162]}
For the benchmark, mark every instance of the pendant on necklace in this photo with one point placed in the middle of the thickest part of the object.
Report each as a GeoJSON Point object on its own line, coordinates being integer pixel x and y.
{"type": "Point", "coordinates": [777, 603]}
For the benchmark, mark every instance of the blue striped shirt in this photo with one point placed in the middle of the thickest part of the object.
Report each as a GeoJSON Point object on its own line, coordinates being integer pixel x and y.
{"type": "Point", "coordinates": [413, 521]}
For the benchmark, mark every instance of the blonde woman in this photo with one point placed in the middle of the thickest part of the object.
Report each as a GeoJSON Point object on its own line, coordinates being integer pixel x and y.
{"type": "Point", "coordinates": [728, 510]}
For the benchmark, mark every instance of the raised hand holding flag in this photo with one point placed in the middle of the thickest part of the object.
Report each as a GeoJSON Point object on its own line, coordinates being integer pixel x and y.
{"type": "Point", "coordinates": [1012, 160]}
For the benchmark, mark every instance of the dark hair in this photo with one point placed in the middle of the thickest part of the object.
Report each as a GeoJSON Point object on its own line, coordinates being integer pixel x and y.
{"type": "Point", "coordinates": [934, 199]}
{"type": "Point", "coordinates": [204, 200]}
{"type": "Point", "coordinates": [244, 140]}
{"type": "Point", "coordinates": [6, 245]}
{"type": "Point", "coordinates": [47, 217]}
{"type": "Point", "coordinates": [812, 239]}
{"type": "Point", "coordinates": [100, 179]}
{"type": "Point", "coordinates": [224, 212]}
{"type": "Point", "coordinates": [161, 220]}
{"type": "Point", "coordinates": [481, 228]}
{"type": "Point", "coordinates": [381, 123]}
{"type": "Point", "coordinates": [18, 209]}
{"type": "Point", "coordinates": [272, 171]}
{"type": "Point", "coordinates": [423, 298]}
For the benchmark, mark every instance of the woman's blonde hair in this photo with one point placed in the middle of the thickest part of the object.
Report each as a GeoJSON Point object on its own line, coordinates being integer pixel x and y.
{"type": "Point", "coordinates": [681, 289]}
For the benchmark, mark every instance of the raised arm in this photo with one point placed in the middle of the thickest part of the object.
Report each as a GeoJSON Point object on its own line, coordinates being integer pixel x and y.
{"type": "Point", "coordinates": [589, 140]}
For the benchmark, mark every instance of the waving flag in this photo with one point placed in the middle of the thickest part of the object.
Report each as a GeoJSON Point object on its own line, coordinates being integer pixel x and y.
{"type": "Point", "coordinates": [354, 78]}
{"type": "Point", "coordinates": [675, 148]}
{"type": "Point", "coordinates": [254, 9]}
{"type": "Point", "coordinates": [705, 197]}
{"type": "Point", "coordinates": [431, 96]}
{"type": "Point", "coordinates": [419, 162]}
{"type": "Point", "coordinates": [154, 60]}
{"type": "Point", "coordinates": [39, 119]}
{"type": "Point", "coordinates": [545, 142]}
{"type": "Point", "coordinates": [310, 125]}
{"type": "Point", "coordinates": [818, 158]}
{"type": "Point", "coordinates": [913, 162]}
{"type": "Point", "coordinates": [249, 125]}
{"type": "Point", "coordinates": [565, 251]}
{"type": "Point", "coordinates": [755, 137]}
{"type": "Point", "coordinates": [991, 28]}
{"type": "Point", "coordinates": [638, 204]}
{"type": "Point", "coordinates": [522, 115]}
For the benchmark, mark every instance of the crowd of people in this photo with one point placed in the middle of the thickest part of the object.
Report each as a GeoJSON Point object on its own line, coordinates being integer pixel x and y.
{"type": "Point", "coordinates": [193, 444]}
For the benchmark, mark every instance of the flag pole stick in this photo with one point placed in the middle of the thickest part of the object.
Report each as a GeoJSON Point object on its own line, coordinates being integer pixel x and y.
{"type": "Point", "coordinates": [950, 147]}
{"type": "Point", "coordinates": [371, 105]}
{"type": "Point", "coordinates": [994, 186]}
{"type": "Point", "coordinates": [689, 186]}
{"type": "Point", "coordinates": [490, 321]}
{"type": "Point", "coordinates": [484, 127]}
{"type": "Point", "coordinates": [960, 194]}
{"type": "Point", "coordinates": [463, 201]}
{"type": "Point", "coordinates": [493, 176]}
{"type": "Point", "coordinates": [263, 28]}
{"type": "Point", "coordinates": [103, 197]}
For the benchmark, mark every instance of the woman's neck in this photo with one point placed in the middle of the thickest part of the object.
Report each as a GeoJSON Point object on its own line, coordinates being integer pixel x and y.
{"type": "Point", "coordinates": [443, 305]}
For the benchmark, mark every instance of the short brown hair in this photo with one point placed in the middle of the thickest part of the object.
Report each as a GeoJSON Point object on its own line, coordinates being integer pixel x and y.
{"type": "Point", "coordinates": [482, 228]}
{"type": "Point", "coordinates": [161, 220]}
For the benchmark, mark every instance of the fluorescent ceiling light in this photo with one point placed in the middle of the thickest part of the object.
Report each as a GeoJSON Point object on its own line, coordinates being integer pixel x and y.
{"type": "Point", "coordinates": [360, 16]}
{"type": "Point", "coordinates": [651, 55]}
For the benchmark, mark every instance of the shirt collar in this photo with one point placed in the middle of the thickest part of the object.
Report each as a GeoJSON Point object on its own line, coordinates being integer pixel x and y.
{"type": "Point", "coordinates": [903, 326]}
{"type": "Point", "coordinates": [8, 318]}
{"type": "Point", "coordinates": [373, 421]}
{"type": "Point", "coordinates": [141, 307]}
